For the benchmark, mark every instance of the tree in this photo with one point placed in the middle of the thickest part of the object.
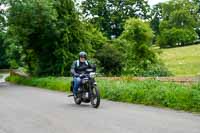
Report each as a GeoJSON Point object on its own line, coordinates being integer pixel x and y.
{"type": "Point", "coordinates": [140, 58]}
{"type": "Point", "coordinates": [138, 38]}
{"type": "Point", "coordinates": [156, 16]}
{"type": "Point", "coordinates": [110, 15]}
{"type": "Point", "coordinates": [49, 32]}
{"type": "Point", "coordinates": [178, 25]}
{"type": "Point", "coordinates": [176, 36]}
{"type": "Point", "coordinates": [197, 14]}
{"type": "Point", "coordinates": [2, 19]}
{"type": "Point", "coordinates": [3, 57]}
{"type": "Point", "coordinates": [93, 37]}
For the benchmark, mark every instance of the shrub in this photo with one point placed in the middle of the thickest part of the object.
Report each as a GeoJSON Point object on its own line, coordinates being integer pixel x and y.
{"type": "Point", "coordinates": [111, 60]}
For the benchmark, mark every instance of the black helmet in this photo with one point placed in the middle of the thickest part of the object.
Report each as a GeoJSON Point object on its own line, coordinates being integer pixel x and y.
{"type": "Point", "coordinates": [83, 54]}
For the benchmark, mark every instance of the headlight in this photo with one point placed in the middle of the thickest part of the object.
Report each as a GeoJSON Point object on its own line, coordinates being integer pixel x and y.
{"type": "Point", "coordinates": [92, 75]}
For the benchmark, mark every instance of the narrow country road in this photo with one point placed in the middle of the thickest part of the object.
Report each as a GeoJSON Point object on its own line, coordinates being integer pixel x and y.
{"type": "Point", "coordinates": [33, 110]}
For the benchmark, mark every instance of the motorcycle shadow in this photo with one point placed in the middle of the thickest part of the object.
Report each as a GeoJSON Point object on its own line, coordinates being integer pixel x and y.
{"type": "Point", "coordinates": [83, 105]}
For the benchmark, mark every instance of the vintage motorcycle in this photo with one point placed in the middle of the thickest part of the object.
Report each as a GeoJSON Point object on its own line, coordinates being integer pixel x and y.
{"type": "Point", "coordinates": [88, 90]}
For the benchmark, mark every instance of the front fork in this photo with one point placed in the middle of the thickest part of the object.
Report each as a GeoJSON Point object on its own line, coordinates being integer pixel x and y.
{"type": "Point", "coordinates": [92, 83]}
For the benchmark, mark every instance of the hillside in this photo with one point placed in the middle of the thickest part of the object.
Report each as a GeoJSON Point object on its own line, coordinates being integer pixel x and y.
{"type": "Point", "coordinates": [182, 61]}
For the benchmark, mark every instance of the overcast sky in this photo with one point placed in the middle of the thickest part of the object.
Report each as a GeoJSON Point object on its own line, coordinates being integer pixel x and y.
{"type": "Point", "coordinates": [153, 2]}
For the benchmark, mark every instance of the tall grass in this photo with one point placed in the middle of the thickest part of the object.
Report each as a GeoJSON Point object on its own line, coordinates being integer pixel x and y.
{"type": "Point", "coordinates": [156, 93]}
{"type": "Point", "coordinates": [52, 83]}
{"type": "Point", "coordinates": [176, 96]}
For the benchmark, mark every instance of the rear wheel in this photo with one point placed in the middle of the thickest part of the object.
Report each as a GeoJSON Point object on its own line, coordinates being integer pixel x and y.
{"type": "Point", "coordinates": [95, 97]}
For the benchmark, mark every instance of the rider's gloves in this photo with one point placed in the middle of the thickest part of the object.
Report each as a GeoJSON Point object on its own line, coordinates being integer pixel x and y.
{"type": "Point", "coordinates": [76, 75]}
{"type": "Point", "coordinates": [81, 75]}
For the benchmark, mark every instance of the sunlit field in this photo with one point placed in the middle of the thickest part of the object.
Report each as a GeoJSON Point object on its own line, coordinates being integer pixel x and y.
{"type": "Point", "coordinates": [182, 61]}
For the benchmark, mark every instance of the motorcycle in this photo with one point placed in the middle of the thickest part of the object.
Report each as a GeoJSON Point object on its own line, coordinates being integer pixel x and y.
{"type": "Point", "coordinates": [88, 90]}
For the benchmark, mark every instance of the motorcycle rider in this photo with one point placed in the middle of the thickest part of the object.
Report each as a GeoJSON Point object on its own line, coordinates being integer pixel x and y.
{"type": "Point", "coordinates": [79, 67]}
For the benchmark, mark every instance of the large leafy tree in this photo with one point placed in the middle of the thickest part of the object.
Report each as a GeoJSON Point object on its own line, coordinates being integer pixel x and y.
{"type": "Point", "coordinates": [49, 32]}
{"type": "Point", "coordinates": [110, 15]}
{"type": "Point", "coordinates": [138, 37]}
{"type": "Point", "coordinates": [178, 24]}
{"type": "Point", "coordinates": [135, 43]}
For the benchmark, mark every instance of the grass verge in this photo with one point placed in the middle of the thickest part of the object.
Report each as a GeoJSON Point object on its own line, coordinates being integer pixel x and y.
{"type": "Point", "coordinates": [171, 95]}
{"type": "Point", "coordinates": [52, 83]}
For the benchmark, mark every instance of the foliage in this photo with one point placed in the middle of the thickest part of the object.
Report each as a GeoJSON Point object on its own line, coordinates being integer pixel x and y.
{"type": "Point", "coordinates": [110, 15]}
{"type": "Point", "coordinates": [14, 52]}
{"type": "Point", "coordinates": [94, 37]}
{"type": "Point", "coordinates": [137, 31]}
{"type": "Point", "coordinates": [170, 95]}
{"type": "Point", "coordinates": [176, 36]}
{"type": "Point", "coordinates": [111, 60]}
{"type": "Point", "coordinates": [49, 32]}
{"type": "Point", "coordinates": [3, 58]}
{"type": "Point", "coordinates": [178, 25]}
{"type": "Point", "coordinates": [156, 70]}
{"type": "Point", "coordinates": [137, 38]}
{"type": "Point", "coordinates": [45, 36]}
{"type": "Point", "coordinates": [156, 16]}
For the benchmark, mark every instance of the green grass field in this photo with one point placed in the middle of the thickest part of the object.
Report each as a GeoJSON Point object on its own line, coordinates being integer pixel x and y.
{"type": "Point", "coordinates": [182, 61]}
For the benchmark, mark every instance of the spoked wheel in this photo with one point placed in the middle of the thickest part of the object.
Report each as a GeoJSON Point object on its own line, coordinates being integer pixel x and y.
{"type": "Point", "coordinates": [95, 97]}
{"type": "Point", "coordinates": [77, 100]}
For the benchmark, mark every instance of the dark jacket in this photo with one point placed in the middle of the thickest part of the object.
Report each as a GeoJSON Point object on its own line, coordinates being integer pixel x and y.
{"type": "Point", "coordinates": [79, 67]}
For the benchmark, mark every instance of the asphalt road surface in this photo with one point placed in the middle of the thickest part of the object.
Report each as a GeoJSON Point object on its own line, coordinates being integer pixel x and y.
{"type": "Point", "coordinates": [33, 110]}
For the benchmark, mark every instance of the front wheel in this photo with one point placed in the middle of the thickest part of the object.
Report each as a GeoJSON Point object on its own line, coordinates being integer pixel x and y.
{"type": "Point", "coordinates": [77, 100]}
{"type": "Point", "coordinates": [95, 97]}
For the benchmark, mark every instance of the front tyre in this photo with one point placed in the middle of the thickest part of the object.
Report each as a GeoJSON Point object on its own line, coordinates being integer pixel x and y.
{"type": "Point", "coordinates": [77, 100]}
{"type": "Point", "coordinates": [95, 97]}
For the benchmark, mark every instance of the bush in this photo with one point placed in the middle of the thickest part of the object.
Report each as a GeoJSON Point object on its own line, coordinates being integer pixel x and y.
{"type": "Point", "coordinates": [111, 60]}
{"type": "Point", "coordinates": [154, 70]}
{"type": "Point", "coordinates": [178, 23]}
